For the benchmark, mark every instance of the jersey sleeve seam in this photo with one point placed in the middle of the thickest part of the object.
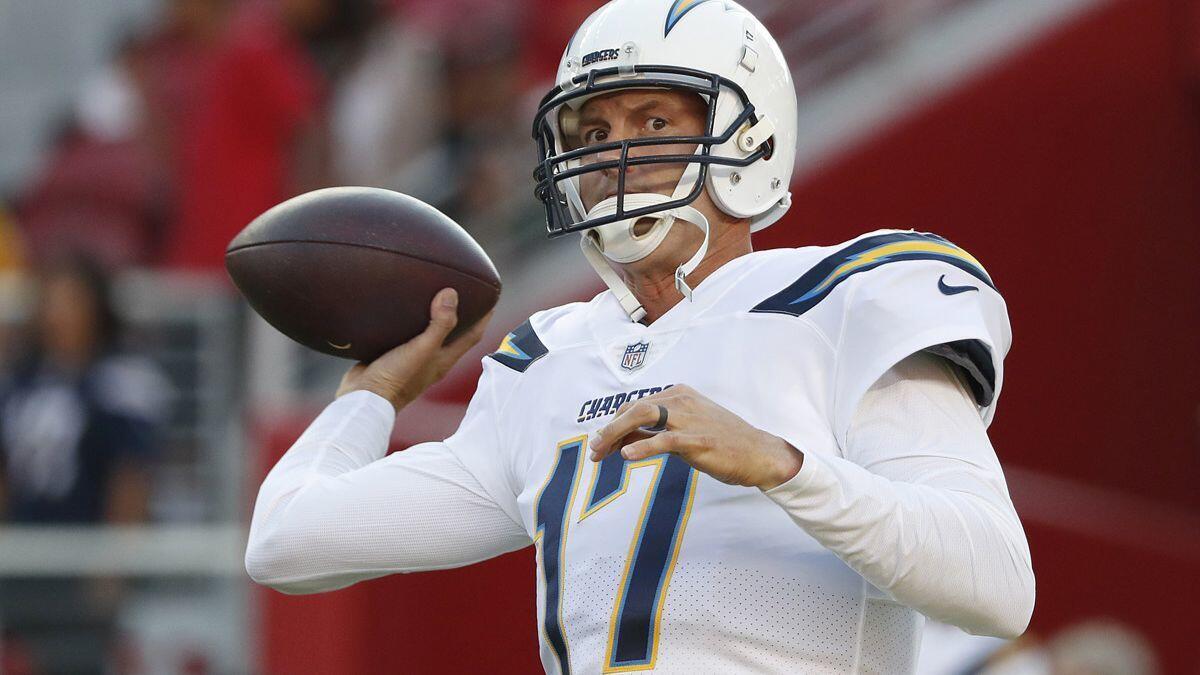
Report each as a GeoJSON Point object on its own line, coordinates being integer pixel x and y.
{"type": "Point", "coordinates": [837, 365]}
{"type": "Point", "coordinates": [500, 446]}
{"type": "Point", "coordinates": [377, 571]}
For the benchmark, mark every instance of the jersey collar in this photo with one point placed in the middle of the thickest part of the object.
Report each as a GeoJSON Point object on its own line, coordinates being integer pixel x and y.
{"type": "Point", "coordinates": [609, 322]}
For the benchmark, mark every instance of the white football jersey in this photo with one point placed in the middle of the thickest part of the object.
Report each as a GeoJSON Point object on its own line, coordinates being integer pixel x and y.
{"type": "Point", "coordinates": [651, 565]}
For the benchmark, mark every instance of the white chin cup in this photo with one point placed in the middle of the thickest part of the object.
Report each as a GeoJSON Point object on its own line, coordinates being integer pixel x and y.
{"type": "Point", "coordinates": [617, 241]}
{"type": "Point", "coordinates": [641, 247]}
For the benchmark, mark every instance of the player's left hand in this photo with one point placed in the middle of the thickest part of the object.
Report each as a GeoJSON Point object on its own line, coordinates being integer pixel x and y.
{"type": "Point", "coordinates": [709, 437]}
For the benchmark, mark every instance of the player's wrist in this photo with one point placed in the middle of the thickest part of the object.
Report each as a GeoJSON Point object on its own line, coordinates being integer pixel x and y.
{"type": "Point", "coordinates": [392, 395]}
{"type": "Point", "coordinates": [395, 397]}
{"type": "Point", "coordinates": [787, 460]}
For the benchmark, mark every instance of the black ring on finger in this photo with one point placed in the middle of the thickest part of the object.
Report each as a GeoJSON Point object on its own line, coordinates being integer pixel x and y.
{"type": "Point", "coordinates": [661, 424]}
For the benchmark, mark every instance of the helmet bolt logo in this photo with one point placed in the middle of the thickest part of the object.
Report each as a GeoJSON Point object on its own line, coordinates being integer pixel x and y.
{"type": "Point", "coordinates": [735, 178]}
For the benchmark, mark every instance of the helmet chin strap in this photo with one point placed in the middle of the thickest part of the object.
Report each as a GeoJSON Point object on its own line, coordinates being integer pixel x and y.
{"type": "Point", "coordinates": [620, 234]}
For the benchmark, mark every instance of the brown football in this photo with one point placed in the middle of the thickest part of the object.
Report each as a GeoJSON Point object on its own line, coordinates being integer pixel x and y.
{"type": "Point", "coordinates": [351, 271]}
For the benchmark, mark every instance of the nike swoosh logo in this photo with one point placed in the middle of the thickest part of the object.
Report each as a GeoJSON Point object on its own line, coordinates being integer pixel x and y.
{"type": "Point", "coordinates": [946, 289]}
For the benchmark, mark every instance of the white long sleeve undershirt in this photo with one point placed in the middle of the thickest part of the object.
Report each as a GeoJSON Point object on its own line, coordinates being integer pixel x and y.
{"type": "Point", "coordinates": [918, 505]}
{"type": "Point", "coordinates": [335, 511]}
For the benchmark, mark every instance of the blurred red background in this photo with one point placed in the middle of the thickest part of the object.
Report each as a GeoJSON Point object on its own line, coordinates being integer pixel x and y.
{"type": "Point", "coordinates": [1072, 170]}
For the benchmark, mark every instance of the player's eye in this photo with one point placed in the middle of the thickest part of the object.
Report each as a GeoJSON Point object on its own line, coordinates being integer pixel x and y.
{"type": "Point", "coordinates": [656, 124]}
{"type": "Point", "coordinates": [594, 136]}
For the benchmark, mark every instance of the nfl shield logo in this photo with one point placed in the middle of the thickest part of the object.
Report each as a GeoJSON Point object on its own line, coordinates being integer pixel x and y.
{"type": "Point", "coordinates": [635, 356]}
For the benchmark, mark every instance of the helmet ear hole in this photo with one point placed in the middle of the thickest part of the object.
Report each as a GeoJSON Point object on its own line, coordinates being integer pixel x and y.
{"type": "Point", "coordinates": [643, 227]}
{"type": "Point", "coordinates": [596, 239]}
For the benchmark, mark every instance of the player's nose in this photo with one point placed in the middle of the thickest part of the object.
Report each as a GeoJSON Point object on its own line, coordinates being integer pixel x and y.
{"type": "Point", "coordinates": [614, 155]}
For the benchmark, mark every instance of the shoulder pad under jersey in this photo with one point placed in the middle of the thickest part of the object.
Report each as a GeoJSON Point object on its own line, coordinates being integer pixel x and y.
{"type": "Point", "coordinates": [520, 348]}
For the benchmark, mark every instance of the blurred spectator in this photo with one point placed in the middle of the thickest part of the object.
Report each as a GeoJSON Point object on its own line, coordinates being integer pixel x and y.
{"type": "Point", "coordinates": [1101, 647]}
{"type": "Point", "coordinates": [178, 74]}
{"type": "Point", "coordinates": [79, 420]}
{"type": "Point", "coordinates": [486, 137]}
{"type": "Point", "coordinates": [12, 247]}
{"type": "Point", "coordinates": [100, 190]}
{"type": "Point", "coordinates": [179, 62]}
{"type": "Point", "coordinates": [387, 113]}
{"type": "Point", "coordinates": [79, 429]}
{"type": "Point", "coordinates": [259, 135]}
{"type": "Point", "coordinates": [479, 174]}
{"type": "Point", "coordinates": [12, 262]}
{"type": "Point", "coordinates": [1092, 647]}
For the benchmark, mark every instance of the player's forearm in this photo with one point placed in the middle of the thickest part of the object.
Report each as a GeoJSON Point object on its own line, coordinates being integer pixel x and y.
{"type": "Point", "coordinates": [350, 433]}
{"type": "Point", "coordinates": [335, 511]}
{"type": "Point", "coordinates": [918, 506]}
{"type": "Point", "coordinates": [953, 555]}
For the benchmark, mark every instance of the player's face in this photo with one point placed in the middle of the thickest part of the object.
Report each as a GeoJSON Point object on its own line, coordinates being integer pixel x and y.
{"type": "Point", "coordinates": [637, 114]}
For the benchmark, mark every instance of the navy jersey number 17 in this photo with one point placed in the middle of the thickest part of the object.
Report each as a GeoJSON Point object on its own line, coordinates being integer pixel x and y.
{"type": "Point", "coordinates": [634, 629]}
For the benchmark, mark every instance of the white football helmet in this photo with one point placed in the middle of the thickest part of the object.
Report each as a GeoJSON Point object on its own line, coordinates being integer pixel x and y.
{"type": "Point", "coordinates": [715, 49]}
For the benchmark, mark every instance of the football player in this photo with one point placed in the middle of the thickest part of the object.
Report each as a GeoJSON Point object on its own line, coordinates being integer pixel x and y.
{"type": "Point", "coordinates": [730, 460]}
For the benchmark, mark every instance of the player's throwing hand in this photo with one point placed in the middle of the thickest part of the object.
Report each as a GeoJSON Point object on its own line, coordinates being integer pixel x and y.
{"type": "Point", "coordinates": [712, 439]}
{"type": "Point", "coordinates": [404, 373]}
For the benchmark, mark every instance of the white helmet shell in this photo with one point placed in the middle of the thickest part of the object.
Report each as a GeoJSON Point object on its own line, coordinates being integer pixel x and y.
{"type": "Point", "coordinates": [717, 37]}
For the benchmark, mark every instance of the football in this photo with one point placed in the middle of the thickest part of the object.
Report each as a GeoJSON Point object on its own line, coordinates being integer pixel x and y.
{"type": "Point", "coordinates": [351, 271]}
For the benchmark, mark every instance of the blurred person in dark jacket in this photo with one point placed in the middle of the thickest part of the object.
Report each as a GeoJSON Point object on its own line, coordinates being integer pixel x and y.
{"type": "Point", "coordinates": [79, 429]}
{"type": "Point", "coordinates": [79, 420]}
